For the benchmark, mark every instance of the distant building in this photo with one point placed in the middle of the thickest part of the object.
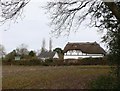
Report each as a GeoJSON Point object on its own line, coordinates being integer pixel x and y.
{"type": "Point", "coordinates": [17, 58]}
{"type": "Point", "coordinates": [48, 55]}
{"type": "Point", "coordinates": [83, 50]}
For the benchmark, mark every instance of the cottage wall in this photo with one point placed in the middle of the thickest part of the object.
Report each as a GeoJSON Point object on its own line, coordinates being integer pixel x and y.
{"type": "Point", "coordinates": [77, 54]}
{"type": "Point", "coordinates": [56, 55]}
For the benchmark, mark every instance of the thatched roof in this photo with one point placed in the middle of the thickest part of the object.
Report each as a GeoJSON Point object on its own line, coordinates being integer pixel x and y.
{"type": "Point", "coordinates": [91, 48]}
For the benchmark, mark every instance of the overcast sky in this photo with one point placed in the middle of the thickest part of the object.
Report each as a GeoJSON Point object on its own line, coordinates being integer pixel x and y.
{"type": "Point", "coordinates": [33, 28]}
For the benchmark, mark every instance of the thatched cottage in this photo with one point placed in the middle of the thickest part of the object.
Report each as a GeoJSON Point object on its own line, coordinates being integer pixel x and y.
{"type": "Point", "coordinates": [83, 50]}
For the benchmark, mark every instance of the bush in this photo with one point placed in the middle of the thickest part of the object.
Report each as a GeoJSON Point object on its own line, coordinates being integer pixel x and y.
{"type": "Point", "coordinates": [87, 61]}
{"type": "Point", "coordinates": [93, 61]}
{"type": "Point", "coordinates": [59, 62]}
{"type": "Point", "coordinates": [23, 62]}
{"type": "Point", "coordinates": [35, 62]}
{"type": "Point", "coordinates": [47, 62]}
{"type": "Point", "coordinates": [53, 62]}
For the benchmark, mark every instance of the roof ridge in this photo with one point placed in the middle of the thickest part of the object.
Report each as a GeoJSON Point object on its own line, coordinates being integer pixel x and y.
{"type": "Point", "coordinates": [81, 42]}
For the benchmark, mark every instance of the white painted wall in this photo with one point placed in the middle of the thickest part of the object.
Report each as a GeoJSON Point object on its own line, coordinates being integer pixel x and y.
{"type": "Point", "coordinates": [78, 54]}
{"type": "Point", "coordinates": [78, 57]}
{"type": "Point", "coordinates": [56, 55]}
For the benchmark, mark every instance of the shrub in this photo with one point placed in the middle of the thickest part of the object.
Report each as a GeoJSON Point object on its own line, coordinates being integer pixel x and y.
{"type": "Point", "coordinates": [86, 61]}
{"type": "Point", "coordinates": [58, 62]}
{"type": "Point", "coordinates": [53, 62]}
{"type": "Point", "coordinates": [35, 62]}
{"type": "Point", "coordinates": [93, 61]}
{"type": "Point", "coordinates": [47, 62]}
{"type": "Point", "coordinates": [23, 62]}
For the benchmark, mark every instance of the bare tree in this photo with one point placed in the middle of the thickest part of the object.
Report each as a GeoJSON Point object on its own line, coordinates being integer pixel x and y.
{"type": "Point", "coordinates": [65, 14]}
{"type": "Point", "coordinates": [22, 50]}
{"type": "Point", "coordinates": [11, 9]}
{"type": "Point", "coordinates": [2, 51]}
{"type": "Point", "coordinates": [69, 14]}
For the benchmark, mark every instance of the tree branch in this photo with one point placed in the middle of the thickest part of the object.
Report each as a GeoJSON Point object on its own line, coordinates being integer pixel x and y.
{"type": "Point", "coordinates": [114, 8]}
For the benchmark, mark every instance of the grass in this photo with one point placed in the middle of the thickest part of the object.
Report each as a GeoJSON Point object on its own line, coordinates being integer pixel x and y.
{"type": "Point", "coordinates": [50, 77]}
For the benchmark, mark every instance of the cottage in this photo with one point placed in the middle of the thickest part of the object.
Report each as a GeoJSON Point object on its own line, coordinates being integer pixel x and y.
{"type": "Point", "coordinates": [47, 55]}
{"type": "Point", "coordinates": [83, 50]}
{"type": "Point", "coordinates": [17, 58]}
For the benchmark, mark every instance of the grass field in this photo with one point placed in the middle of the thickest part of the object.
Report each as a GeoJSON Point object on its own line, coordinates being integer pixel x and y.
{"type": "Point", "coordinates": [50, 77]}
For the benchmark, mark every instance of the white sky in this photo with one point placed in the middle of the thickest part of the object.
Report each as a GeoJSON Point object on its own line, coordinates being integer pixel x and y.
{"type": "Point", "coordinates": [33, 28]}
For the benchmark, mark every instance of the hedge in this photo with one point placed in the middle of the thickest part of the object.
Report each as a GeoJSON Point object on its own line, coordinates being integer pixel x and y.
{"type": "Point", "coordinates": [57, 62]}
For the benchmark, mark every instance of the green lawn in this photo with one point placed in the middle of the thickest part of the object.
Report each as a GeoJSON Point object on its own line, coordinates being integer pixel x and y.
{"type": "Point", "coordinates": [50, 77]}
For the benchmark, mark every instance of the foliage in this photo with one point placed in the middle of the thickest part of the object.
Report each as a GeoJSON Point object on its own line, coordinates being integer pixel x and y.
{"type": "Point", "coordinates": [58, 62]}
{"type": "Point", "coordinates": [47, 62]}
{"type": "Point", "coordinates": [87, 61]}
{"type": "Point", "coordinates": [58, 50]}
{"type": "Point", "coordinates": [10, 56]}
{"type": "Point", "coordinates": [19, 51]}
{"type": "Point", "coordinates": [94, 61]}
{"type": "Point", "coordinates": [32, 53]}
{"type": "Point", "coordinates": [22, 53]}
{"type": "Point", "coordinates": [23, 62]}
{"type": "Point", "coordinates": [112, 38]}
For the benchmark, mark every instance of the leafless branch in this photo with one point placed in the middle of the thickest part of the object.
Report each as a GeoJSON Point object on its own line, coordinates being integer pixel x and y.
{"type": "Point", "coordinates": [67, 15]}
{"type": "Point", "coordinates": [12, 9]}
